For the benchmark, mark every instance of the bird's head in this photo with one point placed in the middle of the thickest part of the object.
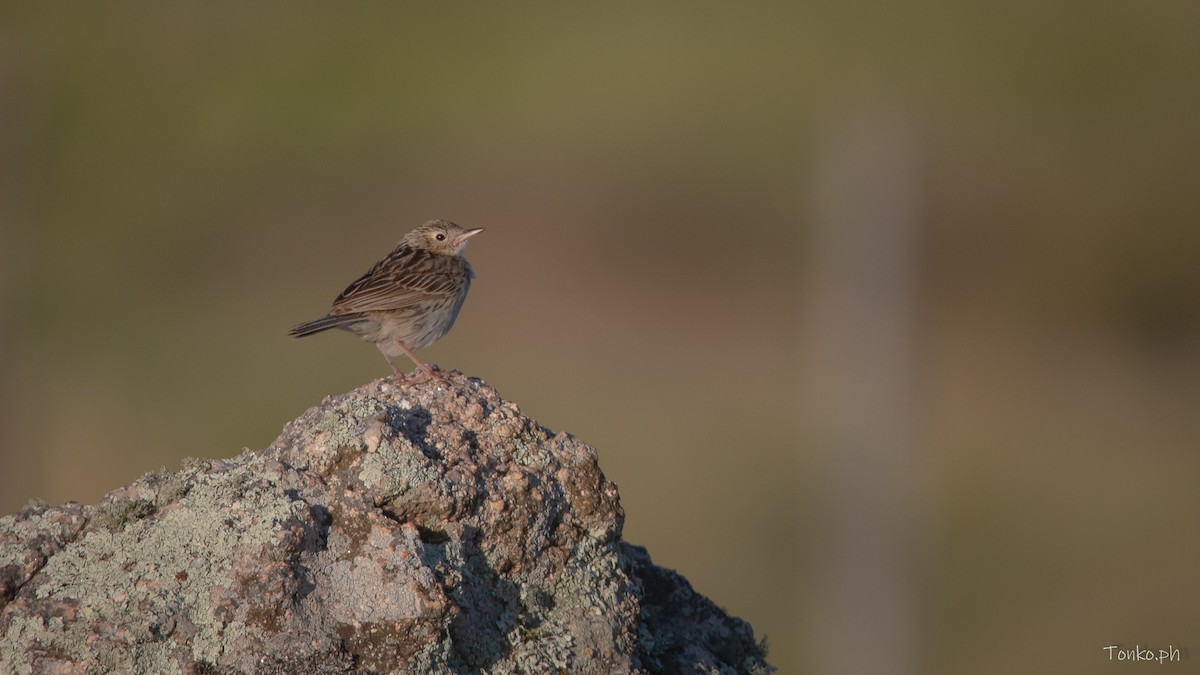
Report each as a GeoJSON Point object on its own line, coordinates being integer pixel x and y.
{"type": "Point", "coordinates": [440, 236]}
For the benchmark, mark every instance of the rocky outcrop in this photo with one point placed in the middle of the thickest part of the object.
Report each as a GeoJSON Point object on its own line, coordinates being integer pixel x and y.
{"type": "Point", "coordinates": [424, 527]}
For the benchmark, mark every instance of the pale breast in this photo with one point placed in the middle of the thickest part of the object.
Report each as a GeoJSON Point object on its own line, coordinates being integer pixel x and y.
{"type": "Point", "coordinates": [418, 326]}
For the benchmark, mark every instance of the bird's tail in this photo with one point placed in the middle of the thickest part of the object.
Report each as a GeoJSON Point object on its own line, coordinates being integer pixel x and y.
{"type": "Point", "coordinates": [324, 323]}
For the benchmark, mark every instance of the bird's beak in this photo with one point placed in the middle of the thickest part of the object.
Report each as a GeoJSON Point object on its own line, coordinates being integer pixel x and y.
{"type": "Point", "coordinates": [462, 238]}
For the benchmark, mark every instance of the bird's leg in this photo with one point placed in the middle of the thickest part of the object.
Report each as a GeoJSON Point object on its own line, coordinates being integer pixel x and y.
{"type": "Point", "coordinates": [408, 352]}
{"type": "Point", "coordinates": [399, 375]}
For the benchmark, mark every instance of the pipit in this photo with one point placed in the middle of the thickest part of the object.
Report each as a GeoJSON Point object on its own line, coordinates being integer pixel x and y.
{"type": "Point", "coordinates": [409, 299]}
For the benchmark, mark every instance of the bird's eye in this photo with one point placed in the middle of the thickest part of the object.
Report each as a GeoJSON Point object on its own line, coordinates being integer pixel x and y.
{"type": "Point", "coordinates": [439, 236]}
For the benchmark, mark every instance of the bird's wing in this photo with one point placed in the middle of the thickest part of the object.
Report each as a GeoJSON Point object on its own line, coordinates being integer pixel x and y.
{"type": "Point", "coordinates": [407, 276]}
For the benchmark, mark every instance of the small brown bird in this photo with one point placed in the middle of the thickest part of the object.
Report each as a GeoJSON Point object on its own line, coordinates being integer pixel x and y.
{"type": "Point", "coordinates": [410, 298]}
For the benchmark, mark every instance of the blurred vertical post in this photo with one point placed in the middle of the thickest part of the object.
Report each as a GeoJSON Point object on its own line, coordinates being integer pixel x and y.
{"type": "Point", "coordinates": [861, 394]}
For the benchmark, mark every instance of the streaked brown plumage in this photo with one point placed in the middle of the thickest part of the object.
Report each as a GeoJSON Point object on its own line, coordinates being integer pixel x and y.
{"type": "Point", "coordinates": [409, 299]}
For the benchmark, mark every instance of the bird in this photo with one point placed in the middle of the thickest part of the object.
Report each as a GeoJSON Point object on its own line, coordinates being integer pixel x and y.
{"type": "Point", "coordinates": [408, 300]}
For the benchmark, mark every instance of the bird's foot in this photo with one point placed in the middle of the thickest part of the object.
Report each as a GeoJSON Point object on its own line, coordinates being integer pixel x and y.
{"type": "Point", "coordinates": [423, 373]}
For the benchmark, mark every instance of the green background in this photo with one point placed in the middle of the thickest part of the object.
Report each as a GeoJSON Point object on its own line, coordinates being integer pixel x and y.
{"type": "Point", "coordinates": [179, 185]}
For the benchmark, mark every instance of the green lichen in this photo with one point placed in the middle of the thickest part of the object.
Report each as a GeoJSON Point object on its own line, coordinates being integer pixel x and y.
{"type": "Point", "coordinates": [179, 563]}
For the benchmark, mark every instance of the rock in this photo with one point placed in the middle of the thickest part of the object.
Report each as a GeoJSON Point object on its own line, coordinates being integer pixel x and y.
{"type": "Point", "coordinates": [418, 528]}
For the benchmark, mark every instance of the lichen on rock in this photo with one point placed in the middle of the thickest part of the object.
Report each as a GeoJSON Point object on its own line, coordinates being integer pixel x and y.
{"type": "Point", "coordinates": [416, 528]}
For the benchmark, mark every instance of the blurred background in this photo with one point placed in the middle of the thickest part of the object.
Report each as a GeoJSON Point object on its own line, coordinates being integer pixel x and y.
{"type": "Point", "coordinates": [884, 318]}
